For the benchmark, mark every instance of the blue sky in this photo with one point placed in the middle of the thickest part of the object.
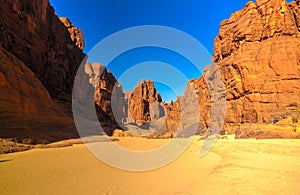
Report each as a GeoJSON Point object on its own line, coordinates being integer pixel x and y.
{"type": "Point", "coordinates": [101, 18]}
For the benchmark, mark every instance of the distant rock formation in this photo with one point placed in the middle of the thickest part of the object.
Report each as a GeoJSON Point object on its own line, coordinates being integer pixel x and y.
{"type": "Point", "coordinates": [108, 97]}
{"type": "Point", "coordinates": [172, 123]}
{"type": "Point", "coordinates": [144, 103]}
{"type": "Point", "coordinates": [257, 52]}
{"type": "Point", "coordinates": [182, 116]}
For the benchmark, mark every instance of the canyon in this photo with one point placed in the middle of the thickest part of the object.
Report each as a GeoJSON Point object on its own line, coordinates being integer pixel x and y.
{"type": "Point", "coordinates": [256, 71]}
{"type": "Point", "coordinates": [256, 56]}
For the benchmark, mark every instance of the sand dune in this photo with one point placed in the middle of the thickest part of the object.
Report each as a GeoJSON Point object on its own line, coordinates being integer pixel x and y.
{"type": "Point", "coordinates": [232, 167]}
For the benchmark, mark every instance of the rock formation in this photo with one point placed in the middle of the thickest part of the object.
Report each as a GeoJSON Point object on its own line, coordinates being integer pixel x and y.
{"type": "Point", "coordinates": [257, 56]}
{"type": "Point", "coordinates": [182, 116]}
{"type": "Point", "coordinates": [173, 116]}
{"type": "Point", "coordinates": [28, 113]}
{"type": "Point", "coordinates": [108, 97]}
{"type": "Point", "coordinates": [257, 52]}
{"type": "Point", "coordinates": [75, 33]}
{"type": "Point", "coordinates": [142, 100]}
{"type": "Point", "coordinates": [32, 32]}
{"type": "Point", "coordinates": [38, 64]}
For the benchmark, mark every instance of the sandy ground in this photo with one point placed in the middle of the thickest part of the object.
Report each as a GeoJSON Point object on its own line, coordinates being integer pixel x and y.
{"type": "Point", "coordinates": [232, 167]}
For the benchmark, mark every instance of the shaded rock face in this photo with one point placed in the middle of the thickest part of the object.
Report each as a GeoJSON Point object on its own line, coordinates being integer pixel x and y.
{"type": "Point", "coordinates": [142, 100]}
{"type": "Point", "coordinates": [28, 113]}
{"type": "Point", "coordinates": [104, 85]}
{"type": "Point", "coordinates": [38, 61]}
{"type": "Point", "coordinates": [76, 34]}
{"type": "Point", "coordinates": [258, 54]}
{"type": "Point", "coordinates": [108, 97]}
{"type": "Point", "coordinates": [172, 123]}
{"type": "Point", "coordinates": [32, 32]}
{"type": "Point", "coordinates": [203, 93]}
{"type": "Point", "coordinates": [182, 116]}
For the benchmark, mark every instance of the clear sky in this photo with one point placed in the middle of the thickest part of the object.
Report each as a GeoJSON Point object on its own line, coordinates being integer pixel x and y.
{"type": "Point", "coordinates": [100, 18]}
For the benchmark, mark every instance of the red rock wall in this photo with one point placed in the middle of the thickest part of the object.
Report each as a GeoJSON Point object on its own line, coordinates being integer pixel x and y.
{"type": "Point", "coordinates": [32, 32]}
{"type": "Point", "coordinates": [140, 100]}
{"type": "Point", "coordinates": [38, 62]}
{"type": "Point", "coordinates": [107, 91]}
{"type": "Point", "coordinates": [76, 34]}
{"type": "Point", "coordinates": [258, 54]}
{"type": "Point", "coordinates": [27, 112]}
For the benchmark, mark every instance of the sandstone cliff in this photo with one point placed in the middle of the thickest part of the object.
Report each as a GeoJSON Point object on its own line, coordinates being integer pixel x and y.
{"type": "Point", "coordinates": [28, 113]}
{"type": "Point", "coordinates": [258, 54]}
{"type": "Point", "coordinates": [108, 97]}
{"type": "Point", "coordinates": [76, 34]}
{"type": "Point", "coordinates": [32, 32]}
{"type": "Point", "coordinates": [144, 103]}
{"type": "Point", "coordinates": [38, 61]}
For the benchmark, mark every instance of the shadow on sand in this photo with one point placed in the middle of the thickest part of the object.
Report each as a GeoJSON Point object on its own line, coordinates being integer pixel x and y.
{"type": "Point", "coordinates": [6, 160]}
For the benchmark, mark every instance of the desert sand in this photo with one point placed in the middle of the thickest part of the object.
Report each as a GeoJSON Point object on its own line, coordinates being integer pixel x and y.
{"type": "Point", "coordinates": [246, 166]}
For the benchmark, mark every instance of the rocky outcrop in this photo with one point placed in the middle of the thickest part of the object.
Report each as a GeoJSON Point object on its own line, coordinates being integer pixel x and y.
{"type": "Point", "coordinates": [182, 116]}
{"type": "Point", "coordinates": [201, 89]}
{"type": "Point", "coordinates": [108, 97]}
{"type": "Point", "coordinates": [142, 100]}
{"type": "Point", "coordinates": [121, 133]}
{"type": "Point", "coordinates": [32, 32]}
{"type": "Point", "coordinates": [76, 34]}
{"type": "Point", "coordinates": [28, 114]}
{"type": "Point", "coordinates": [38, 61]}
{"type": "Point", "coordinates": [172, 123]}
{"type": "Point", "coordinates": [257, 22]}
{"type": "Point", "coordinates": [253, 87]}
{"type": "Point", "coordinates": [257, 53]}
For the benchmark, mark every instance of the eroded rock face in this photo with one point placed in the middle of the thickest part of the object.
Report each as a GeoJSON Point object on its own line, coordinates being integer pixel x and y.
{"type": "Point", "coordinates": [108, 97]}
{"type": "Point", "coordinates": [173, 120]}
{"type": "Point", "coordinates": [140, 102]}
{"type": "Point", "coordinates": [182, 116]}
{"type": "Point", "coordinates": [76, 34]}
{"type": "Point", "coordinates": [28, 113]}
{"type": "Point", "coordinates": [38, 62]}
{"type": "Point", "coordinates": [258, 54]}
{"type": "Point", "coordinates": [32, 32]}
{"type": "Point", "coordinates": [257, 22]}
